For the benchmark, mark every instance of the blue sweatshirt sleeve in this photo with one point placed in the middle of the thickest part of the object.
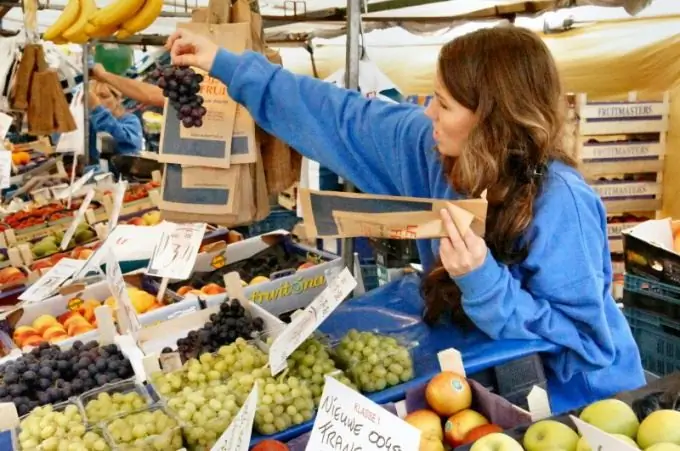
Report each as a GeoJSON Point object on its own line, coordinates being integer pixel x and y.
{"type": "Point", "coordinates": [562, 296]}
{"type": "Point", "coordinates": [126, 130]}
{"type": "Point", "coordinates": [366, 141]}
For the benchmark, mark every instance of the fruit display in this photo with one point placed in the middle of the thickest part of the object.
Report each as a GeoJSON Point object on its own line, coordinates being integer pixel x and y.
{"type": "Point", "coordinates": [77, 253]}
{"type": "Point", "coordinates": [231, 322]}
{"type": "Point", "coordinates": [152, 429]}
{"type": "Point", "coordinates": [38, 215]}
{"type": "Point", "coordinates": [373, 361]}
{"type": "Point", "coordinates": [625, 218]}
{"type": "Point", "coordinates": [48, 374]}
{"type": "Point", "coordinates": [46, 328]}
{"type": "Point", "coordinates": [11, 275]}
{"type": "Point", "coordinates": [141, 300]}
{"type": "Point", "coordinates": [56, 428]}
{"type": "Point", "coordinates": [81, 20]}
{"type": "Point", "coordinates": [270, 445]}
{"type": "Point", "coordinates": [137, 192]}
{"type": "Point", "coordinates": [50, 244]}
{"type": "Point", "coordinates": [258, 269]}
{"type": "Point", "coordinates": [150, 218]}
{"type": "Point", "coordinates": [24, 161]}
{"type": "Point", "coordinates": [112, 400]}
{"type": "Point", "coordinates": [181, 86]}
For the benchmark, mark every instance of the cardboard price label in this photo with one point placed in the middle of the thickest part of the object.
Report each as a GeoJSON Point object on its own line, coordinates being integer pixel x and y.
{"type": "Point", "coordinates": [52, 280]}
{"type": "Point", "coordinates": [309, 320]}
{"type": "Point", "coordinates": [175, 253]}
{"type": "Point", "coordinates": [349, 421]}
{"type": "Point", "coordinates": [114, 277]}
{"type": "Point", "coordinates": [237, 435]}
{"type": "Point", "coordinates": [598, 439]}
{"type": "Point", "coordinates": [75, 187]}
{"type": "Point", "coordinates": [80, 214]}
{"type": "Point", "coordinates": [5, 169]}
{"type": "Point", "coordinates": [118, 195]}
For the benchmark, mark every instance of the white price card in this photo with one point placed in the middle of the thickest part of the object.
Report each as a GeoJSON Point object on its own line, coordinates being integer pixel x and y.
{"type": "Point", "coordinates": [348, 420]}
{"type": "Point", "coordinates": [5, 123]}
{"type": "Point", "coordinates": [114, 277]}
{"type": "Point", "coordinates": [237, 435]}
{"type": "Point", "coordinates": [5, 169]}
{"type": "Point", "coordinates": [600, 440]}
{"type": "Point", "coordinates": [75, 186]}
{"type": "Point", "coordinates": [118, 195]}
{"type": "Point", "coordinates": [9, 419]}
{"type": "Point", "coordinates": [80, 214]}
{"type": "Point", "coordinates": [304, 324]}
{"type": "Point", "coordinates": [48, 284]}
{"type": "Point", "coordinates": [176, 250]}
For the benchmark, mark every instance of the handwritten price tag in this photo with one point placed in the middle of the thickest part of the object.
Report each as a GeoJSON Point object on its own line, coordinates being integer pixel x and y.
{"type": "Point", "coordinates": [348, 420]}
{"type": "Point", "coordinates": [5, 123]}
{"type": "Point", "coordinates": [118, 195]}
{"type": "Point", "coordinates": [309, 320]}
{"type": "Point", "coordinates": [237, 435]}
{"type": "Point", "coordinates": [75, 187]}
{"type": "Point", "coordinates": [598, 439]}
{"type": "Point", "coordinates": [114, 277]}
{"type": "Point", "coordinates": [52, 280]}
{"type": "Point", "coordinates": [175, 253]}
{"type": "Point", "coordinates": [5, 168]}
{"type": "Point", "coordinates": [80, 214]}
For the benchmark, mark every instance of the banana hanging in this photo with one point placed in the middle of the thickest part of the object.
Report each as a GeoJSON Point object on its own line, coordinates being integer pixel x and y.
{"type": "Point", "coordinates": [114, 14]}
{"type": "Point", "coordinates": [144, 18]}
{"type": "Point", "coordinates": [64, 21]}
{"type": "Point", "coordinates": [76, 32]}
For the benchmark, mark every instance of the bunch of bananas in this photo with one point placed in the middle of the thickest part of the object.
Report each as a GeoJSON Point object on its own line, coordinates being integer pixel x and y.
{"type": "Point", "coordinates": [81, 20]}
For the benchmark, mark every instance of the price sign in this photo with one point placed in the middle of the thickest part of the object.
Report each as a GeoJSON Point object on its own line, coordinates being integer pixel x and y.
{"type": "Point", "coordinates": [309, 320]}
{"type": "Point", "coordinates": [5, 123]}
{"type": "Point", "coordinates": [114, 277]}
{"type": "Point", "coordinates": [9, 419]}
{"type": "Point", "coordinates": [52, 280]}
{"type": "Point", "coordinates": [80, 214]}
{"type": "Point", "coordinates": [348, 420]}
{"type": "Point", "coordinates": [75, 187]}
{"type": "Point", "coordinates": [118, 195]}
{"type": "Point", "coordinates": [237, 435]}
{"type": "Point", "coordinates": [5, 169]}
{"type": "Point", "coordinates": [598, 439]}
{"type": "Point", "coordinates": [176, 250]}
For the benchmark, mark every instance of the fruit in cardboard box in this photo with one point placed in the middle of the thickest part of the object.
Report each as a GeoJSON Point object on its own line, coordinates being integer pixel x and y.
{"type": "Point", "coordinates": [460, 424]}
{"type": "Point", "coordinates": [258, 280]}
{"type": "Point", "coordinates": [270, 445]}
{"type": "Point", "coordinates": [448, 393]}
{"type": "Point", "coordinates": [44, 322]}
{"type": "Point", "coordinates": [584, 446]}
{"type": "Point", "coordinates": [213, 288]}
{"type": "Point", "coordinates": [662, 426]}
{"type": "Point", "coordinates": [305, 265]}
{"type": "Point", "coordinates": [140, 299]}
{"type": "Point", "coordinates": [500, 442]}
{"type": "Point", "coordinates": [136, 222]}
{"type": "Point", "coordinates": [53, 331]}
{"type": "Point", "coordinates": [549, 435]}
{"type": "Point", "coordinates": [430, 445]}
{"type": "Point", "coordinates": [612, 416]}
{"type": "Point", "coordinates": [11, 274]}
{"type": "Point", "coordinates": [427, 422]}
{"type": "Point", "coordinates": [152, 218]}
{"type": "Point", "coordinates": [22, 333]}
{"type": "Point", "coordinates": [481, 431]}
{"type": "Point", "coordinates": [664, 447]}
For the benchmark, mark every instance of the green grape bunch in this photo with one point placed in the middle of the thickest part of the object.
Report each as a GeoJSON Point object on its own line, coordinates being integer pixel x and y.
{"type": "Point", "coordinates": [149, 430]}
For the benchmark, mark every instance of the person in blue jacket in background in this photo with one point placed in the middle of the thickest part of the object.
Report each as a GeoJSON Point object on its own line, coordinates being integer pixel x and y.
{"type": "Point", "coordinates": [107, 114]}
{"type": "Point", "coordinates": [543, 268]}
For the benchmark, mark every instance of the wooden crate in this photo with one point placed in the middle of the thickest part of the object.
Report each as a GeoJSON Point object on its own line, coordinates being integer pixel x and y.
{"type": "Point", "coordinates": [615, 140]}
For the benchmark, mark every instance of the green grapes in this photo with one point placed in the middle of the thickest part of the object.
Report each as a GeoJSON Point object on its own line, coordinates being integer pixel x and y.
{"type": "Point", "coordinates": [375, 362]}
{"type": "Point", "coordinates": [108, 405]}
{"type": "Point", "coordinates": [283, 402]}
{"type": "Point", "coordinates": [46, 429]}
{"type": "Point", "coordinates": [151, 430]}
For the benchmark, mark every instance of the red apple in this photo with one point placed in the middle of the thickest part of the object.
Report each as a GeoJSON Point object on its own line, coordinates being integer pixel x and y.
{"type": "Point", "coordinates": [458, 426]}
{"type": "Point", "coordinates": [481, 431]}
{"type": "Point", "coordinates": [448, 393]}
{"type": "Point", "coordinates": [270, 445]}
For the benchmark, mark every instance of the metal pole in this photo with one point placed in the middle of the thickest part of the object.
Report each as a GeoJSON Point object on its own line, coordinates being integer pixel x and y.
{"type": "Point", "coordinates": [86, 106]}
{"type": "Point", "coordinates": [351, 82]}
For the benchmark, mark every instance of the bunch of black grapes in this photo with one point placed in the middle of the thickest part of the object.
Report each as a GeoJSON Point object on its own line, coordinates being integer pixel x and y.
{"type": "Point", "coordinates": [231, 322]}
{"type": "Point", "coordinates": [48, 374]}
{"type": "Point", "coordinates": [181, 86]}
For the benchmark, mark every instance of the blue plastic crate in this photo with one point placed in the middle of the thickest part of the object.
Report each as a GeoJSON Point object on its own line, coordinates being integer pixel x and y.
{"type": "Point", "coordinates": [658, 338]}
{"type": "Point", "coordinates": [279, 218]}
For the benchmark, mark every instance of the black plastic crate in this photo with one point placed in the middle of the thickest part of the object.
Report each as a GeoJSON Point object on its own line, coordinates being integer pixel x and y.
{"type": "Point", "coordinates": [394, 253]}
{"type": "Point", "coordinates": [658, 338]}
{"type": "Point", "coordinates": [650, 295]}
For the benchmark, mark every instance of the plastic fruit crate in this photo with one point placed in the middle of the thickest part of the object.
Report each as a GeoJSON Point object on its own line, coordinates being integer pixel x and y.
{"type": "Point", "coordinates": [650, 295]}
{"type": "Point", "coordinates": [658, 338]}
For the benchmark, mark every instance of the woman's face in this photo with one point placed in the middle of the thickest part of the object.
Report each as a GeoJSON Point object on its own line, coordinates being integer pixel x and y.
{"type": "Point", "coordinates": [451, 121]}
{"type": "Point", "coordinates": [107, 98]}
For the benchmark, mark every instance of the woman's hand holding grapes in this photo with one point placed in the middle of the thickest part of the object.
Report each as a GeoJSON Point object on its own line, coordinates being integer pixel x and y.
{"type": "Point", "coordinates": [189, 49]}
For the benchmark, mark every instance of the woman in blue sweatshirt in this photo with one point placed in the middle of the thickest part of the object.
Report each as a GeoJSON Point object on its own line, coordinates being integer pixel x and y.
{"type": "Point", "coordinates": [543, 269]}
{"type": "Point", "coordinates": [107, 114]}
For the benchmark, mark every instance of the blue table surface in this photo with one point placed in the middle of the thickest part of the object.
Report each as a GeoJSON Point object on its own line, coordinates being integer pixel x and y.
{"type": "Point", "coordinates": [395, 309]}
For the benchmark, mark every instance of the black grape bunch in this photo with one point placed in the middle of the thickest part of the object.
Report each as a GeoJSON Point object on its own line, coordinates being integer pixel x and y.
{"type": "Point", "coordinates": [181, 86]}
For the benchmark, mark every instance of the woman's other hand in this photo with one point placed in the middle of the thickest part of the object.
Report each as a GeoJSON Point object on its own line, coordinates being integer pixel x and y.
{"type": "Point", "coordinates": [93, 99]}
{"type": "Point", "coordinates": [460, 254]}
{"type": "Point", "coordinates": [98, 72]}
{"type": "Point", "coordinates": [189, 49]}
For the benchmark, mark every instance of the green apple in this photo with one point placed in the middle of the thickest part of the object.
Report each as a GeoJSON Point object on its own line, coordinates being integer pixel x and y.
{"type": "Point", "coordinates": [496, 442]}
{"type": "Point", "coordinates": [550, 435]}
{"type": "Point", "coordinates": [662, 426]}
{"type": "Point", "coordinates": [584, 446]}
{"type": "Point", "coordinates": [664, 447]}
{"type": "Point", "coordinates": [611, 416]}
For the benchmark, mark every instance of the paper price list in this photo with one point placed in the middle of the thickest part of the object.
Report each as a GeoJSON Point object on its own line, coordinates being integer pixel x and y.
{"type": "Point", "coordinates": [176, 251]}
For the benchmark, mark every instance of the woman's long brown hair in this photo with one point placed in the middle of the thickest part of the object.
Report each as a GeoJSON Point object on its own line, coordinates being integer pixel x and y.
{"type": "Point", "coordinates": [508, 78]}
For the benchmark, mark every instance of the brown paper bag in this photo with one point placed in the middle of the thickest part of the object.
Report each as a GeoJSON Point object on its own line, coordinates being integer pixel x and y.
{"type": "Point", "coordinates": [330, 214]}
{"type": "Point", "coordinates": [200, 190]}
{"type": "Point", "coordinates": [248, 12]}
{"type": "Point", "coordinates": [209, 145]}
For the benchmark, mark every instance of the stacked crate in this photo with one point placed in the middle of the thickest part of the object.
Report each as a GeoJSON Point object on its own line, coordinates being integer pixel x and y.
{"type": "Point", "coordinates": [621, 146]}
